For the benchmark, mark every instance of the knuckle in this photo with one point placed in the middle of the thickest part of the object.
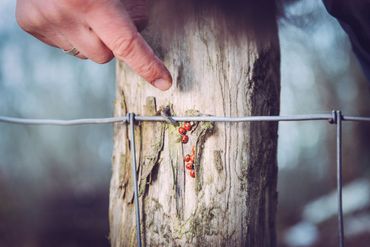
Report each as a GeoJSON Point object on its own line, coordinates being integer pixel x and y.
{"type": "Point", "coordinates": [30, 21]}
{"type": "Point", "coordinates": [22, 22]}
{"type": "Point", "coordinates": [149, 71]}
{"type": "Point", "coordinates": [55, 17]}
{"type": "Point", "coordinates": [102, 59]}
{"type": "Point", "coordinates": [124, 47]}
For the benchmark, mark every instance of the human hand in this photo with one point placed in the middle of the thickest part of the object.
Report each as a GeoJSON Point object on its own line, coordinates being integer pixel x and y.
{"type": "Point", "coordinates": [98, 29]}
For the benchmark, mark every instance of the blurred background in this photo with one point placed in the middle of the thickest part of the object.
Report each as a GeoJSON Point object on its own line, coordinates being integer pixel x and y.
{"type": "Point", "coordinates": [54, 181]}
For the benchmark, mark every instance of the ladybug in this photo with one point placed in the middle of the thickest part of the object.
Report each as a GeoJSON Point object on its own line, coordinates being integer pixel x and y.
{"type": "Point", "coordinates": [192, 173]}
{"type": "Point", "coordinates": [192, 157]}
{"type": "Point", "coordinates": [187, 126]}
{"type": "Point", "coordinates": [187, 158]}
{"type": "Point", "coordinates": [184, 139]}
{"type": "Point", "coordinates": [182, 131]}
{"type": "Point", "coordinates": [189, 166]}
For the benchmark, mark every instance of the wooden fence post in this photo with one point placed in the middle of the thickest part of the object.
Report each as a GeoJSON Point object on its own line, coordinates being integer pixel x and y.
{"type": "Point", "coordinates": [225, 61]}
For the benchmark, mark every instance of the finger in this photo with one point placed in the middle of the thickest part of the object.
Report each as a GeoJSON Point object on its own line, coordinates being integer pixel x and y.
{"type": "Point", "coordinates": [115, 28]}
{"type": "Point", "coordinates": [88, 43]}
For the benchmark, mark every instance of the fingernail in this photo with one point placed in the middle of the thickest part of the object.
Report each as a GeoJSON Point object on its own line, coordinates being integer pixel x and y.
{"type": "Point", "coordinates": [162, 84]}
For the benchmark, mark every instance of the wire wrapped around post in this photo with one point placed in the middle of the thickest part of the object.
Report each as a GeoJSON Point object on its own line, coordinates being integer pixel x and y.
{"type": "Point", "coordinates": [131, 117]}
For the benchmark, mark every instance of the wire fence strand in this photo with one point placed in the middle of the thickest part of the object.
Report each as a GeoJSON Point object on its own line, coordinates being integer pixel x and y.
{"type": "Point", "coordinates": [125, 119]}
{"type": "Point", "coordinates": [57, 122]}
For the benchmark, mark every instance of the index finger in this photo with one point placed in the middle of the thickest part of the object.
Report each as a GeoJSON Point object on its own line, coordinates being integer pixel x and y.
{"type": "Point", "coordinates": [111, 22]}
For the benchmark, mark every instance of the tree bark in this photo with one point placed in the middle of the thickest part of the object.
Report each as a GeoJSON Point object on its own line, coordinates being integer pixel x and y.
{"type": "Point", "coordinates": [225, 61]}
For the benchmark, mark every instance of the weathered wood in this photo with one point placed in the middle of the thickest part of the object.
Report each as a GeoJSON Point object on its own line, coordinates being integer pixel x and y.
{"type": "Point", "coordinates": [221, 66]}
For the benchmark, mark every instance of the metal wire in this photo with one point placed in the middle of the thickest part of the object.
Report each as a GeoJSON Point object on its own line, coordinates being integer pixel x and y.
{"type": "Point", "coordinates": [339, 178]}
{"type": "Point", "coordinates": [131, 117]}
{"type": "Point", "coordinates": [335, 118]}
{"type": "Point", "coordinates": [57, 122]}
{"type": "Point", "coordinates": [110, 120]}
{"type": "Point", "coordinates": [238, 119]}
{"type": "Point", "coordinates": [355, 119]}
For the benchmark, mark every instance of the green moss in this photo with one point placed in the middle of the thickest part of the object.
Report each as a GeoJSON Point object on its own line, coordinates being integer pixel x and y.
{"type": "Point", "coordinates": [192, 112]}
{"type": "Point", "coordinates": [207, 126]}
{"type": "Point", "coordinates": [172, 129]}
{"type": "Point", "coordinates": [182, 228]}
{"type": "Point", "coordinates": [198, 225]}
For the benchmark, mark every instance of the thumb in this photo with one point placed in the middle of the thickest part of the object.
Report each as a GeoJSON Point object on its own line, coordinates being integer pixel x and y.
{"type": "Point", "coordinates": [111, 22]}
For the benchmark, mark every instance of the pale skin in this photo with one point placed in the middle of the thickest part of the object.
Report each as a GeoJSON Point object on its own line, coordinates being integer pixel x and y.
{"type": "Point", "coordinates": [98, 29]}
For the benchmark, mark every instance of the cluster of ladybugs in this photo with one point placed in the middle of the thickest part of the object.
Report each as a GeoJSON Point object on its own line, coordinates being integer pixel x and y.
{"type": "Point", "coordinates": [189, 162]}
{"type": "Point", "coordinates": [189, 158]}
{"type": "Point", "coordinates": [183, 129]}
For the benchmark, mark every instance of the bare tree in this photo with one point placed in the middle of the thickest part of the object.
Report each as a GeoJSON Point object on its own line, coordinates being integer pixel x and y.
{"type": "Point", "coordinates": [225, 61]}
